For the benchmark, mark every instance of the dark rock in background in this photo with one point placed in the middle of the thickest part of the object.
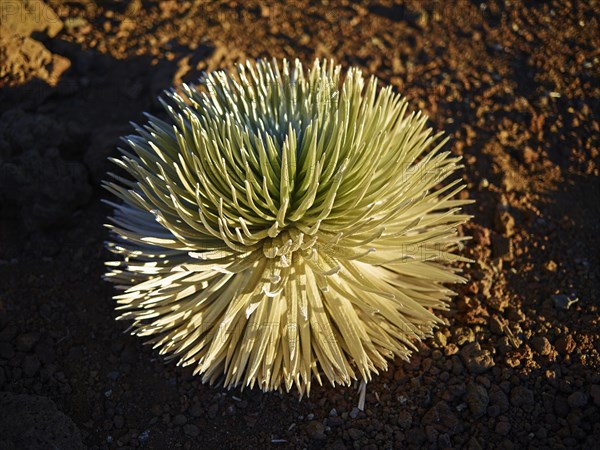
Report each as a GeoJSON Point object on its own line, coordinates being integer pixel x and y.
{"type": "Point", "coordinates": [35, 423]}
{"type": "Point", "coordinates": [40, 183]}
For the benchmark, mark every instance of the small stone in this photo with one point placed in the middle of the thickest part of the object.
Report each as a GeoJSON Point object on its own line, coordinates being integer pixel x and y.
{"type": "Point", "coordinates": [335, 421]}
{"type": "Point", "coordinates": [457, 367]}
{"type": "Point", "coordinates": [542, 345]}
{"type": "Point", "coordinates": [463, 335]}
{"type": "Point", "coordinates": [451, 349]}
{"type": "Point", "coordinates": [8, 333]}
{"type": "Point", "coordinates": [503, 428]}
{"type": "Point", "coordinates": [440, 339]}
{"type": "Point", "coordinates": [25, 342]}
{"type": "Point", "coordinates": [515, 315]}
{"type": "Point", "coordinates": [493, 411]}
{"type": "Point", "coordinates": [213, 410]}
{"type": "Point", "coordinates": [498, 398]}
{"type": "Point", "coordinates": [416, 436]}
{"type": "Point", "coordinates": [498, 303]}
{"type": "Point", "coordinates": [315, 430]}
{"type": "Point", "coordinates": [481, 235]}
{"type": "Point", "coordinates": [338, 444]}
{"type": "Point", "coordinates": [508, 182]}
{"type": "Point", "coordinates": [444, 441]}
{"type": "Point", "coordinates": [529, 155]}
{"type": "Point", "coordinates": [474, 444]}
{"type": "Point", "coordinates": [577, 399]}
{"type": "Point", "coordinates": [191, 430]}
{"type": "Point", "coordinates": [196, 410]}
{"type": "Point", "coordinates": [129, 354]}
{"type": "Point", "coordinates": [561, 406]}
{"type": "Point", "coordinates": [476, 359]}
{"type": "Point", "coordinates": [180, 419]}
{"type": "Point", "coordinates": [501, 247]}
{"type": "Point", "coordinates": [355, 434]}
{"type": "Point", "coordinates": [113, 375]}
{"type": "Point", "coordinates": [354, 413]}
{"type": "Point", "coordinates": [477, 398]}
{"type": "Point", "coordinates": [33, 422]}
{"type": "Point", "coordinates": [118, 421]}
{"type": "Point", "coordinates": [442, 418]}
{"type": "Point", "coordinates": [31, 365]}
{"type": "Point", "coordinates": [503, 346]}
{"type": "Point", "coordinates": [144, 436]}
{"type": "Point", "coordinates": [6, 350]}
{"type": "Point", "coordinates": [521, 396]}
{"type": "Point", "coordinates": [432, 434]}
{"type": "Point", "coordinates": [404, 419]}
{"type": "Point", "coordinates": [304, 39]}
{"type": "Point", "coordinates": [565, 344]}
{"type": "Point", "coordinates": [250, 419]}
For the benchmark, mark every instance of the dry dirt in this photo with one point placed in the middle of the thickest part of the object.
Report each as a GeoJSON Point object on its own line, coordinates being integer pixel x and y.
{"type": "Point", "coordinates": [516, 86]}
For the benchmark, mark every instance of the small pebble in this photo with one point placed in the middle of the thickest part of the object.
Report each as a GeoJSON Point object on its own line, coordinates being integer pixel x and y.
{"type": "Point", "coordinates": [503, 428]}
{"type": "Point", "coordinates": [180, 419]}
{"type": "Point", "coordinates": [315, 430]}
{"type": "Point", "coordinates": [6, 351]}
{"type": "Point", "coordinates": [196, 410]}
{"type": "Point", "coordinates": [565, 344]}
{"type": "Point", "coordinates": [477, 398]}
{"type": "Point", "coordinates": [144, 436]}
{"type": "Point", "coordinates": [542, 345]}
{"type": "Point", "coordinates": [191, 430]}
{"type": "Point", "coordinates": [577, 399]}
{"type": "Point", "coordinates": [355, 434]}
{"type": "Point", "coordinates": [213, 410]}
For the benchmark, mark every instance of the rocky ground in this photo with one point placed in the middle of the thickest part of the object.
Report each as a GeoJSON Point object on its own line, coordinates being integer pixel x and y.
{"type": "Point", "coordinates": [516, 86]}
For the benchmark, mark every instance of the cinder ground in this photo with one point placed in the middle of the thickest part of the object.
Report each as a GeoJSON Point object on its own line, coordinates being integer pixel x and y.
{"type": "Point", "coordinates": [516, 86]}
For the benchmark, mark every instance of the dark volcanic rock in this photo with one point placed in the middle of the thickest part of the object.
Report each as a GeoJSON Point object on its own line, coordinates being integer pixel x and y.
{"type": "Point", "coordinates": [442, 418]}
{"type": "Point", "coordinates": [477, 398]}
{"type": "Point", "coordinates": [523, 397]}
{"type": "Point", "coordinates": [315, 430]}
{"type": "Point", "coordinates": [577, 399]}
{"type": "Point", "coordinates": [565, 344]}
{"type": "Point", "coordinates": [476, 359]}
{"type": "Point", "coordinates": [38, 182]}
{"type": "Point", "coordinates": [34, 423]}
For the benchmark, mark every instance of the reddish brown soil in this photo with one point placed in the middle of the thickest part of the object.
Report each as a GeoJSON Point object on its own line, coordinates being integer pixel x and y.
{"type": "Point", "coordinates": [516, 86]}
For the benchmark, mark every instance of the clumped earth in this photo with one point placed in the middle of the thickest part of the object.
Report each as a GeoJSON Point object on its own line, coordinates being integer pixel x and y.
{"type": "Point", "coordinates": [516, 85]}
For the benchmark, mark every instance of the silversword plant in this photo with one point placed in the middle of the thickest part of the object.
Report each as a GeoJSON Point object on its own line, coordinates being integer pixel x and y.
{"type": "Point", "coordinates": [284, 226]}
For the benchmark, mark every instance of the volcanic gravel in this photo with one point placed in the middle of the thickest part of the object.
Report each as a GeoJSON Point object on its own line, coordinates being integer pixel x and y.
{"type": "Point", "coordinates": [514, 84]}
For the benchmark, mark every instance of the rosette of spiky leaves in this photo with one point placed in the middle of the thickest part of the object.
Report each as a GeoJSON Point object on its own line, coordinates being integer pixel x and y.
{"type": "Point", "coordinates": [284, 224]}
